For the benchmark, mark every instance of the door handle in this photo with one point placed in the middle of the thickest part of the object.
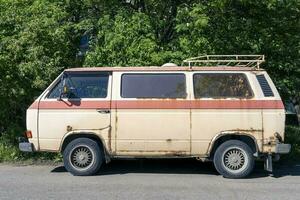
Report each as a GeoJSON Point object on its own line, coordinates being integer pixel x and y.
{"type": "Point", "coordinates": [103, 111]}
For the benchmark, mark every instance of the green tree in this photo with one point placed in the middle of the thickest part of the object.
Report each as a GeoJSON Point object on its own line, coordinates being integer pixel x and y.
{"type": "Point", "coordinates": [35, 46]}
{"type": "Point", "coordinates": [40, 38]}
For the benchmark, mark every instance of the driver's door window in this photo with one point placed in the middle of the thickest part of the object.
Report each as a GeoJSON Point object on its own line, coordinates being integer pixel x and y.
{"type": "Point", "coordinates": [81, 85]}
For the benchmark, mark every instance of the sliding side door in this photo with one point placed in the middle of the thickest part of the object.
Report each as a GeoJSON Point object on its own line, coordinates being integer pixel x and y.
{"type": "Point", "coordinates": [153, 117]}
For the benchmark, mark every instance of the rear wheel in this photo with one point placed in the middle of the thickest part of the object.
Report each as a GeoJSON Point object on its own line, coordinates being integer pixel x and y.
{"type": "Point", "coordinates": [234, 159]}
{"type": "Point", "coordinates": [83, 157]}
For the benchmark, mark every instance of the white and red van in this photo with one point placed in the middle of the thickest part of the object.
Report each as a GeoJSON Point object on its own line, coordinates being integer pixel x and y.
{"type": "Point", "coordinates": [230, 115]}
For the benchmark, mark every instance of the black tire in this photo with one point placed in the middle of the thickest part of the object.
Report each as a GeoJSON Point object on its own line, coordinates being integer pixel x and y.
{"type": "Point", "coordinates": [83, 157]}
{"type": "Point", "coordinates": [234, 159]}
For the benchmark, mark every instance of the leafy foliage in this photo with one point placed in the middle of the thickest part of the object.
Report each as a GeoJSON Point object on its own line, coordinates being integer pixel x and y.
{"type": "Point", "coordinates": [39, 38]}
{"type": "Point", "coordinates": [35, 47]}
{"type": "Point", "coordinates": [293, 137]}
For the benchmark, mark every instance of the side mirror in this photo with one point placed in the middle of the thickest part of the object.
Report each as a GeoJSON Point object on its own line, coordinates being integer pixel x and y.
{"type": "Point", "coordinates": [64, 92]}
{"type": "Point", "coordinates": [65, 89]}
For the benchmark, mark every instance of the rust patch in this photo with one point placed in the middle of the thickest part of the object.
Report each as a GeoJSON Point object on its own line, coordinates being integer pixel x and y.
{"type": "Point", "coordinates": [191, 129]}
{"type": "Point", "coordinates": [245, 130]}
{"type": "Point", "coordinates": [165, 153]}
{"type": "Point", "coordinates": [109, 138]}
{"type": "Point", "coordinates": [233, 132]}
{"type": "Point", "coordinates": [176, 153]}
{"type": "Point", "coordinates": [69, 128]}
{"type": "Point", "coordinates": [116, 130]}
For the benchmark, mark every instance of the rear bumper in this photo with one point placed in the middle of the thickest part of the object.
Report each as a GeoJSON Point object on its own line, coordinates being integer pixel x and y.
{"type": "Point", "coordinates": [281, 148]}
{"type": "Point", "coordinates": [25, 145]}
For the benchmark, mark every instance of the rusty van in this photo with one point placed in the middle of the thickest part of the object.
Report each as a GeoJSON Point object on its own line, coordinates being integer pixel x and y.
{"type": "Point", "coordinates": [223, 109]}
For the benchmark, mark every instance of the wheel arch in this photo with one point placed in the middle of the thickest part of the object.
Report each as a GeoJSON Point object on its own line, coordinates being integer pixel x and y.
{"type": "Point", "coordinates": [85, 134]}
{"type": "Point", "coordinates": [226, 136]}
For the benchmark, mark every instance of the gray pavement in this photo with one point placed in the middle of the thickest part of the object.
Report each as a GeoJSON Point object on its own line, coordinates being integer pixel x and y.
{"type": "Point", "coordinates": [147, 179]}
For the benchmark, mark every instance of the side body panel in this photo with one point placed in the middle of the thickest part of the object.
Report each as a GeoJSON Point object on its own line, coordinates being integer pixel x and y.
{"type": "Point", "coordinates": [60, 118]}
{"type": "Point", "coordinates": [207, 124]}
{"type": "Point", "coordinates": [273, 119]}
{"type": "Point", "coordinates": [32, 125]}
{"type": "Point", "coordinates": [213, 117]}
{"type": "Point", "coordinates": [55, 124]}
{"type": "Point", "coordinates": [150, 127]}
{"type": "Point", "coordinates": [32, 118]}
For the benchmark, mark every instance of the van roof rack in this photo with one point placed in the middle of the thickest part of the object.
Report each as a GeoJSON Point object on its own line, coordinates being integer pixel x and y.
{"type": "Point", "coordinates": [253, 61]}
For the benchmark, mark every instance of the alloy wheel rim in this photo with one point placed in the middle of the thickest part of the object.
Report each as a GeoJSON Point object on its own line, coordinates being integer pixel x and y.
{"type": "Point", "coordinates": [235, 159]}
{"type": "Point", "coordinates": [82, 157]}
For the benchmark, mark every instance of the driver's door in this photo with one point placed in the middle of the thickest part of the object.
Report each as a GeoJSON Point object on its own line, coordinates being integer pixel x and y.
{"type": "Point", "coordinates": [84, 107]}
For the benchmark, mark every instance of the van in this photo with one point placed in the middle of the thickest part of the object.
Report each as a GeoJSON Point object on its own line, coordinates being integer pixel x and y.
{"type": "Point", "coordinates": [223, 109]}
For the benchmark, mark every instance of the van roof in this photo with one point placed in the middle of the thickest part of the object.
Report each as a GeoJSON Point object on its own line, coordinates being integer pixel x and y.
{"type": "Point", "coordinates": [156, 68]}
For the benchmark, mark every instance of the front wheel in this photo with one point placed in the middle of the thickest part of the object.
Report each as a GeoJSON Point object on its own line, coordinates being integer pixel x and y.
{"type": "Point", "coordinates": [234, 159]}
{"type": "Point", "coordinates": [82, 157]}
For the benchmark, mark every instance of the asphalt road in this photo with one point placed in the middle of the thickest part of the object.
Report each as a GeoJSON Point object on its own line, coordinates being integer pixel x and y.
{"type": "Point", "coordinates": [148, 179]}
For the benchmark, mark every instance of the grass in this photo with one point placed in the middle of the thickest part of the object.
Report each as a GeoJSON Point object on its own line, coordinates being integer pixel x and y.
{"type": "Point", "coordinates": [9, 152]}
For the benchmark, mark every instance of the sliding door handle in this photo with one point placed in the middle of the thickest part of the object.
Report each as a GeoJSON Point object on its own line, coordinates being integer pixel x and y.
{"type": "Point", "coordinates": [103, 111]}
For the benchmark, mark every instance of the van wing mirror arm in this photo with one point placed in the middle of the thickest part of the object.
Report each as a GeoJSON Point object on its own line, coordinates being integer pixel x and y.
{"type": "Point", "coordinates": [64, 87]}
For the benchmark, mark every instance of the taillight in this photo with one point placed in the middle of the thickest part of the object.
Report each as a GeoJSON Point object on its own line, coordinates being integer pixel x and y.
{"type": "Point", "coordinates": [28, 134]}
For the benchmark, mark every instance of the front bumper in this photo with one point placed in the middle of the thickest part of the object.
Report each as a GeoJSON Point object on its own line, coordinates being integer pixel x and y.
{"type": "Point", "coordinates": [281, 148]}
{"type": "Point", "coordinates": [25, 145]}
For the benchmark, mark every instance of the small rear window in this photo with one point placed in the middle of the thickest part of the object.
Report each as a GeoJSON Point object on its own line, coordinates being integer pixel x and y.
{"type": "Point", "coordinates": [264, 85]}
{"type": "Point", "coordinates": [153, 86]}
{"type": "Point", "coordinates": [219, 85]}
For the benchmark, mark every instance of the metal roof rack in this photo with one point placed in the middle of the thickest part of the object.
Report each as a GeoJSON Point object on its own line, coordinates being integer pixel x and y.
{"type": "Point", "coordinates": [253, 61]}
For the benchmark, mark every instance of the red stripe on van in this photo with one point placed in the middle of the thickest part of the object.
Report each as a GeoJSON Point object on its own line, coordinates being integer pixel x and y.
{"type": "Point", "coordinates": [153, 104]}
{"type": "Point", "coordinates": [237, 104]}
{"type": "Point", "coordinates": [34, 105]}
{"type": "Point", "coordinates": [70, 105]}
{"type": "Point", "coordinates": [161, 104]}
{"type": "Point", "coordinates": [199, 104]}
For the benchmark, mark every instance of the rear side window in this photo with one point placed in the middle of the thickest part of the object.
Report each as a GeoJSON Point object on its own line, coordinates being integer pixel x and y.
{"type": "Point", "coordinates": [264, 85]}
{"type": "Point", "coordinates": [153, 86]}
{"type": "Point", "coordinates": [82, 85]}
{"type": "Point", "coordinates": [227, 85]}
